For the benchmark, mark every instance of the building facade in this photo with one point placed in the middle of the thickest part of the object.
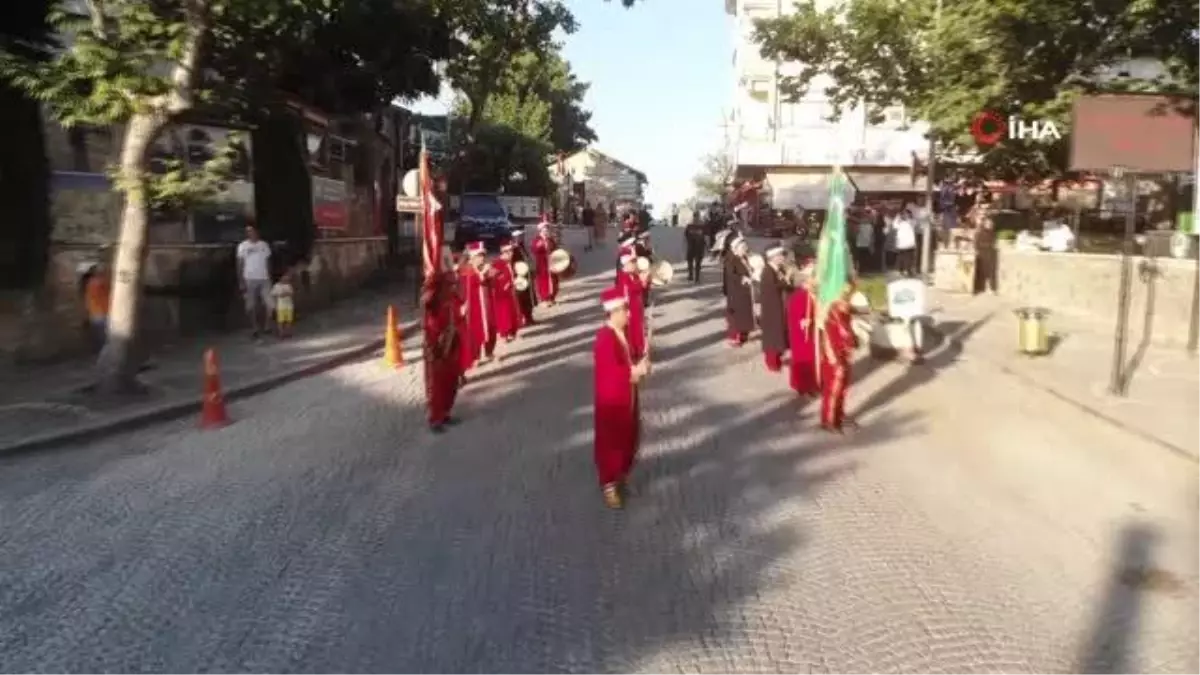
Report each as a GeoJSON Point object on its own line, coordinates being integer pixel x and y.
{"type": "Point", "coordinates": [791, 146]}
{"type": "Point", "coordinates": [604, 179]}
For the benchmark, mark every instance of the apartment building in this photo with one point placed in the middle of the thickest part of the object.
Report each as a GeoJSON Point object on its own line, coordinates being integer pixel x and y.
{"type": "Point", "coordinates": [791, 146]}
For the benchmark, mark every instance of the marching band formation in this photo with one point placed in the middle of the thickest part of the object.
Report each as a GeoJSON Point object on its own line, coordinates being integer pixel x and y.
{"type": "Point", "coordinates": [472, 307]}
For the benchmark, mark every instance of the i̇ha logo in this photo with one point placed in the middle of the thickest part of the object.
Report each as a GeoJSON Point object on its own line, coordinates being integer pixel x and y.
{"type": "Point", "coordinates": [989, 128]}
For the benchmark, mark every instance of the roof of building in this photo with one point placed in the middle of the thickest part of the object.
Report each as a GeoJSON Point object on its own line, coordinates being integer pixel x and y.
{"type": "Point", "coordinates": [596, 153]}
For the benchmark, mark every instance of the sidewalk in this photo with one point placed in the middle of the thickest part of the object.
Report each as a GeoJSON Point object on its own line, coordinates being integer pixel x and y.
{"type": "Point", "coordinates": [1164, 391]}
{"type": "Point", "coordinates": [47, 405]}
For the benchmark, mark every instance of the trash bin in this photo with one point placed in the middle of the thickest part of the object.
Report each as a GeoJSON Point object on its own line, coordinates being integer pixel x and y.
{"type": "Point", "coordinates": [1032, 337]}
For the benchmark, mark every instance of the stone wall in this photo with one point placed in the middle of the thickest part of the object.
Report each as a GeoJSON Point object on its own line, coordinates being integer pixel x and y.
{"type": "Point", "coordinates": [1085, 286]}
{"type": "Point", "coordinates": [190, 288]}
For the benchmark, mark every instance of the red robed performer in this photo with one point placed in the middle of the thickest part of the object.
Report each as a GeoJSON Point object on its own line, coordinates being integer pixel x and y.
{"type": "Point", "coordinates": [625, 243]}
{"type": "Point", "coordinates": [544, 279]}
{"type": "Point", "coordinates": [439, 308]}
{"type": "Point", "coordinates": [837, 348]}
{"type": "Point", "coordinates": [475, 289]}
{"type": "Point", "coordinates": [802, 336]}
{"type": "Point", "coordinates": [633, 285]}
{"type": "Point", "coordinates": [504, 294]}
{"type": "Point", "coordinates": [617, 417]}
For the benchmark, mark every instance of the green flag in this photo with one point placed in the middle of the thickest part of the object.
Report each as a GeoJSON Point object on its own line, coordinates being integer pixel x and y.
{"type": "Point", "coordinates": [833, 255]}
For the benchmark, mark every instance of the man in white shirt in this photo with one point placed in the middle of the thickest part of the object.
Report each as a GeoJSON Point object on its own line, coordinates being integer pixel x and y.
{"type": "Point", "coordinates": [254, 279]}
{"type": "Point", "coordinates": [864, 241]}
{"type": "Point", "coordinates": [904, 232]}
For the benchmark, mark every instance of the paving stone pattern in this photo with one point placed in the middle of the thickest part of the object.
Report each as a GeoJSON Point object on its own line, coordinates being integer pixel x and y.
{"type": "Point", "coordinates": [970, 525]}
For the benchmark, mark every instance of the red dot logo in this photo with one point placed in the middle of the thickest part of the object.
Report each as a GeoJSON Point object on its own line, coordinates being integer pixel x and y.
{"type": "Point", "coordinates": [988, 128]}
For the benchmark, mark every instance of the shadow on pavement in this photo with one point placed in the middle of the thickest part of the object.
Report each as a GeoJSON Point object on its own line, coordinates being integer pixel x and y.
{"type": "Point", "coordinates": [328, 530]}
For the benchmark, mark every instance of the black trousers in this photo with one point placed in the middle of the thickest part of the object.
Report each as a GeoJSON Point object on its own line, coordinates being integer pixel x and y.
{"type": "Point", "coordinates": [985, 270]}
{"type": "Point", "coordinates": [906, 261]}
{"type": "Point", "coordinates": [694, 260]}
{"type": "Point", "coordinates": [862, 258]}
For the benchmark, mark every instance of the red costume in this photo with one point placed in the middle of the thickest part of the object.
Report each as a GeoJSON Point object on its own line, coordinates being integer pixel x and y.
{"type": "Point", "coordinates": [617, 422]}
{"type": "Point", "coordinates": [802, 331]}
{"type": "Point", "coordinates": [504, 300]}
{"type": "Point", "coordinates": [441, 348]}
{"type": "Point", "coordinates": [632, 288]}
{"type": "Point", "coordinates": [837, 347]}
{"type": "Point", "coordinates": [544, 279]}
{"type": "Point", "coordinates": [480, 337]}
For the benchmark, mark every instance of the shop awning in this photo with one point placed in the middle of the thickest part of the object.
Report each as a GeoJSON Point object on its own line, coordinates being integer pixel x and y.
{"type": "Point", "coordinates": [886, 182]}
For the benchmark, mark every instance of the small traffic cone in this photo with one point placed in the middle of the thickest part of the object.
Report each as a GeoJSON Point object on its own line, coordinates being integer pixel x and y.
{"type": "Point", "coordinates": [212, 412]}
{"type": "Point", "coordinates": [393, 354]}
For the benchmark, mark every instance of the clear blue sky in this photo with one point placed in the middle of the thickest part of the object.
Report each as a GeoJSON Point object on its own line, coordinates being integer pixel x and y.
{"type": "Point", "coordinates": [661, 76]}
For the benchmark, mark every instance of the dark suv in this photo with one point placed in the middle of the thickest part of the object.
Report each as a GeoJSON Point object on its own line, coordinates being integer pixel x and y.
{"type": "Point", "coordinates": [481, 217]}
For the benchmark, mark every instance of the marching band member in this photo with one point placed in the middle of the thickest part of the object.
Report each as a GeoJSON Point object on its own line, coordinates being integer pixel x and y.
{"type": "Point", "coordinates": [442, 359]}
{"type": "Point", "coordinates": [774, 288]}
{"type": "Point", "coordinates": [837, 347]}
{"type": "Point", "coordinates": [525, 299]}
{"type": "Point", "coordinates": [641, 246]}
{"type": "Point", "coordinates": [616, 413]}
{"type": "Point", "coordinates": [802, 334]}
{"type": "Point", "coordinates": [474, 283]}
{"type": "Point", "coordinates": [545, 280]}
{"type": "Point", "coordinates": [633, 284]}
{"type": "Point", "coordinates": [504, 294]}
{"type": "Point", "coordinates": [739, 302]}
{"type": "Point", "coordinates": [626, 241]}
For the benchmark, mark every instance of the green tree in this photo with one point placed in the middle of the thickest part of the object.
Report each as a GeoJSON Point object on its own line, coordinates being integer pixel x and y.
{"type": "Point", "coordinates": [492, 34]}
{"type": "Point", "coordinates": [716, 173]}
{"type": "Point", "coordinates": [946, 60]}
{"type": "Point", "coordinates": [143, 64]}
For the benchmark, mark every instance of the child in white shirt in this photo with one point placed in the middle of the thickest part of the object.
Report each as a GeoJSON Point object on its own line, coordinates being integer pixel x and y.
{"type": "Point", "coordinates": [285, 308]}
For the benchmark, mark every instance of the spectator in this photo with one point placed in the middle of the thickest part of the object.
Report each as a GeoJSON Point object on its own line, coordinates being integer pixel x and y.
{"type": "Point", "coordinates": [588, 218]}
{"type": "Point", "coordinates": [864, 243]}
{"type": "Point", "coordinates": [905, 242]}
{"type": "Point", "coordinates": [254, 279]}
{"type": "Point", "coordinates": [283, 296]}
{"type": "Point", "coordinates": [985, 255]}
{"type": "Point", "coordinates": [97, 297]}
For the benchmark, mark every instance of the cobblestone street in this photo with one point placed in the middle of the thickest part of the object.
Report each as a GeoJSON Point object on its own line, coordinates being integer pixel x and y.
{"type": "Point", "coordinates": [971, 525]}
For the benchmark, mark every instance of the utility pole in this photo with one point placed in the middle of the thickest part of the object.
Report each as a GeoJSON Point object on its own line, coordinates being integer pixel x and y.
{"type": "Point", "coordinates": [930, 169]}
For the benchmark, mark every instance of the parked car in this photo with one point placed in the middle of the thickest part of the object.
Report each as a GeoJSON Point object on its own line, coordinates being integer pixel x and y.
{"type": "Point", "coordinates": [481, 217]}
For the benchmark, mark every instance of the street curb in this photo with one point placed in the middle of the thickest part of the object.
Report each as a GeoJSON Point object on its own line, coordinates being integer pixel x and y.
{"type": "Point", "coordinates": [170, 410]}
{"type": "Point", "coordinates": [1080, 405]}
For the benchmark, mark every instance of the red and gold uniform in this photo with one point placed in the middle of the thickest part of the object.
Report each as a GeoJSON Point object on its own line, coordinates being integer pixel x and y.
{"type": "Point", "coordinates": [440, 308]}
{"type": "Point", "coordinates": [479, 340]}
{"type": "Point", "coordinates": [545, 280]}
{"type": "Point", "coordinates": [837, 348]}
{"type": "Point", "coordinates": [617, 416]}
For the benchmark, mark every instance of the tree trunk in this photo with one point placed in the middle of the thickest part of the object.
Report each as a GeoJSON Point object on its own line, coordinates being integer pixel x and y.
{"type": "Point", "coordinates": [117, 366]}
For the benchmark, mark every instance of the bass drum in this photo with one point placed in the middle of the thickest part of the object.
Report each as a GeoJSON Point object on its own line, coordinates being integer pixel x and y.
{"type": "Point", "coordinates": [560, 261]}
{"type": "Point", "coordinates": [521, 283]}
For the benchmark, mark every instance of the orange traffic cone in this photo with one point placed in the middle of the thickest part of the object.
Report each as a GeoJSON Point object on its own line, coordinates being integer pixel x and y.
{"type": "Point", "coordinates": [212, 411]}
{"type": "Point", "coordinates": [393, 354]}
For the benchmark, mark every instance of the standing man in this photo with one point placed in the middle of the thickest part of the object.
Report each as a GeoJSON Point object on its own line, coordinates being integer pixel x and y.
{"type": "Point", "coordinates": [588, 218]}
{"type": "Point", "coordinates": [695, 238]}
{"type": "Point", "coordinates": [986, 272]}
{"type": "Point", "coordinates": [442, 359]}
{"type": "Point", "coordinates": [905, 240]}
{"type": "Point", "coordinates": [616, 412]}
{"type": "Point", "coordinates": [864, 242]}
{"type": "Point", "coordinates": [802, 334]}
{"type": "Point", "coordinates": [774, 289]}
{"type": "Point", "coordinates": [545, 280]}
{"type": "Point", "coordinates": [739, 302]}
{"type": "Point", "coordinates": [475, 287]}
{"type": "Point", "coordinates": [254, 279]}
{"type": "Point", "coordinates": [634, 285]}
{"type": "Point", "coordinates": [837, 347]}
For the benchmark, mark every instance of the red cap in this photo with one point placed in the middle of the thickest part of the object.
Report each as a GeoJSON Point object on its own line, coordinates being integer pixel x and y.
{"type": "Point", "coordinates": [612, 298]}
{"type": "Point", "coordinates": [476, 247]}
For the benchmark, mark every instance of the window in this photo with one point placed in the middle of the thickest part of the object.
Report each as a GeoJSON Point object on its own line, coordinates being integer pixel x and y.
{"type": "Point", "coordinates": [805, 114]}
{"type": "Point", "coordinates": [760, 90]}
{"type": "Point", "coordinates": [199, 147]}
{"type": "Point", "coordinates": [894, 116]}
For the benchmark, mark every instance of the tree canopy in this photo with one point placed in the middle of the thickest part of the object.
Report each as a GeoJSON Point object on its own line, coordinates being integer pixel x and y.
{"type": "Point", "coordinates": [716, 173]}
{"type": "Point", "coordinates": [947, 60]}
